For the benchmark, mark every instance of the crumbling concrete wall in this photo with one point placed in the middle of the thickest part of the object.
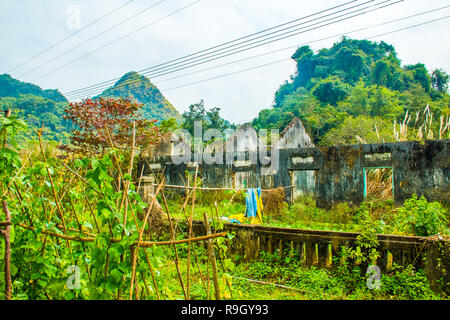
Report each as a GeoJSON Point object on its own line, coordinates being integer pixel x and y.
{"type": "Point", "coordinates": [294, 136]}
{"type": "Point", "coordinates": [338, 171]}
{"type": "Point", "coordinates": [321, 248]}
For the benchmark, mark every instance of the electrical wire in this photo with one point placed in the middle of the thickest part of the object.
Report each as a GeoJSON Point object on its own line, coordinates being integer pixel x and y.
{"type": "Point", "coordinates": [68, 37]}
{"type": "Point", "coordinates": [288, 59]}
{"type": "Point", "coordinates": [90, 39]}
{"type": "Point", "coordinates": [233, 51]}
{"type": "Point", "coordinates": [301, 44]}
{"type": "Point", "coordinates": [216, 46]}
{"type": "Point", "coordinates": [118, 39]}
{"type": "Point", "coordinates": [89, 89]}
{"type": "Point", "coordinates": [182, 61]}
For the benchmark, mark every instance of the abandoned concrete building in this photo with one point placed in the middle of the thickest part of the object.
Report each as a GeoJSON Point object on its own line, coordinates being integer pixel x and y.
{"type": "Point", "coordinates": [331, 174]}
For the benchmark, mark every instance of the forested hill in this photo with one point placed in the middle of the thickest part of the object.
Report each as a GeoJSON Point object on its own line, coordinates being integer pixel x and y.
{"type": "Point", "coordinates": [353, 87]}
{"type": "Point", "coordinates": [36, 106]}
{"type": "Point", "coordinates": [140, 88]}
{"type": "Point", "coordinates": [10, 87]}
{"type": "Point", "coordinates": [46, 107]}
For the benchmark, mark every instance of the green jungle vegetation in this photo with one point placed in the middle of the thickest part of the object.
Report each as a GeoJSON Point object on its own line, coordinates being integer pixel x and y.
{"type": "Point", "coordinates": [78, 220]}
{"type": "Point", "coordinates": [39, 108]}
{"type": "Point", "coordinates": [416, 217]}
{"type": "Point", "coordinates": [45, 108]}
{"type": "Point", "coordinates": [346, 90]}
{"type": "Point", "coordinates": [139, 87]}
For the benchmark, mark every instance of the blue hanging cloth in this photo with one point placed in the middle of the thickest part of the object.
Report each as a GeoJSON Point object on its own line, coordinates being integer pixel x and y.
{"type": "Point", "coordinates": [251, 202]}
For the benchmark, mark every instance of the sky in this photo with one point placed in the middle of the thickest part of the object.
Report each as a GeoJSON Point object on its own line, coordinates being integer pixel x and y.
{"type": "Point", "coordinates": [173, 28]}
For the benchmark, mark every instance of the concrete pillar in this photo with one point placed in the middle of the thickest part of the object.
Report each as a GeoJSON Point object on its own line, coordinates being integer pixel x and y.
{"type": "Point", "coordinates": [146, 188]}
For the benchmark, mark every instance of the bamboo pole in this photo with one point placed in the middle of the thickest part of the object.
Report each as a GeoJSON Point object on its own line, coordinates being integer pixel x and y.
{"type": "Point", "coordinates": [143, 244]}
{"type": "Point", "coordinates": [212, 259]}
{"type": "Point", "coordinates": [152, 273]}
{"type": "Point", "coordinates": [55, 195]}
{"type": "Point", "coordinates": [190, 233]}
{"type": "Point", "coordinates": [130, 169]}
{"type": "Point", "coordinates": [121, 176]}
{"type": "Point", "coordinates": [6, 234]}
{"type": "Point", "coordinates": [172, 229]}
{"type": "Point", "coordinates": [141, 232]}
{"type": "Point", "coordinates": [14, 178]}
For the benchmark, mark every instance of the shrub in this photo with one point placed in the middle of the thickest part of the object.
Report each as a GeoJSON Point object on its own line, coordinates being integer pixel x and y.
{"type": "Point", "coordinates": [341, 213]}
{"type": "Point", "coordinates": [422, 218]}
{"type": "Point", "coordinates": [407, 284]}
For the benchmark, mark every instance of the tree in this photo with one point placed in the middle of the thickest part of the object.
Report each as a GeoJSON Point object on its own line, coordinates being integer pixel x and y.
{"type": "Point", "coordinates": [168, 125]}
{"type": "Point", "coordinates": [209, 119]}
{"type": "Point", "coordinates": [420, 74]}
{"type": "Point", "coordinates": [304, 57]}
{"type": "Point", "coordinates": [384, 103]}
{"type": "Point", "coordinates": [358, 130]}
{"type": "Point", "coordinates": [357, 101]}
{"type": "Point", "coordinates": [285, 89]}
{"type": "Point", "coordinates": [215, 121]}
{"type": "Point", "coordinates": [196, 112]}
{"type": "Point", "coordinates": [92, 117]}
{"type": "Point", "coordinates": [331, 90]}
{"type": "Point", "coordinates": [353, 62]}
{"type": "Point", "coordinates": [439, 80]}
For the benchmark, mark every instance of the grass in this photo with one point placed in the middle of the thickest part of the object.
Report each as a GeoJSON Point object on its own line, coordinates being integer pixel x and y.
{"type": "Point", "coordinates": [304, 213]}
{"type": "Point", "coordinates": [300, 282]}
{"type": "Point", "coordinates": [343, 282]}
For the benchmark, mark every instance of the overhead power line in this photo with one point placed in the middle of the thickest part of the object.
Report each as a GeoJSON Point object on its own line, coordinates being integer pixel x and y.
{"type": "Point", "coordinates": [303, 44]}
{"type": "Point", "coordinates": [153, 75]}
{"type": "Point", "coordinates": [191, 57]}
{"type": "Point", "coordinates": [118, 39]}
{"type": "Point", "coordinates": [283, 60]}
{"type": "Point", "coordinates": [92, 89]}
{"type": "Point", "coordinates": [197, 54]}
{"type": "Point", "coordinates": [317, 40]}
{"type": "Point", "coordinates": [91, 39]}
{"type": "Point", "coordinates": [228, 74]}
{"type": "Point", "coordinates": [68, 37]}
{"type": "Point", "coordinates": [245, 47]}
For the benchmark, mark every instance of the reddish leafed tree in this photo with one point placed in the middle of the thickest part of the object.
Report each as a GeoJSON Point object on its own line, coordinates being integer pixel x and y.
{"type": "Point", "coordinates": [92, 117]}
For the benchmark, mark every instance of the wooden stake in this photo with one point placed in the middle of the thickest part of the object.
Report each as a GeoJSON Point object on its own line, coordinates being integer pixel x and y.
{"type": "Point", "coordinates": [172, 229]}
{"type": "Point", "coordinates": [55, 195]}
{"type": "Point", "coordinates": [212, 259]}
{"type": "Point", "coordinates": [6, 234]}
{"type": "Point", "coordinates": [190, 233]}
{"type": "Point", "coordinates": [141, 231]}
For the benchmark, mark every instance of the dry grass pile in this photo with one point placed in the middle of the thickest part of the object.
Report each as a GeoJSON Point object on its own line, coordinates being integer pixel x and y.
{"type": "Point", "coordinates": [273, 201]}
{"type": "Point", "coordinates": [379, 184]}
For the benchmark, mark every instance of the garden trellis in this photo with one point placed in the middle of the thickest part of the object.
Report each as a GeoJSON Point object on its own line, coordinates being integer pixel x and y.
{"type": "Point", "coordinates": [87, 213]}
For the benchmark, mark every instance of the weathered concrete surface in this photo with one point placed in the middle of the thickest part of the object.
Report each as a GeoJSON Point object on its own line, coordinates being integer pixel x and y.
{"type": "Point", "coordinates": [318, 248]}
{"type": "Point", "coordinates": [418, 168]}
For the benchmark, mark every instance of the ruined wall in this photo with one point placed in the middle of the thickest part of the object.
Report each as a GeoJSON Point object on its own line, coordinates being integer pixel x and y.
{"type": "Point", "coordinates": [295, 136]}
{"type": "Point", "coordinates": [319, 248]}
{"type": "Point", "coordinates": [332, 174]}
